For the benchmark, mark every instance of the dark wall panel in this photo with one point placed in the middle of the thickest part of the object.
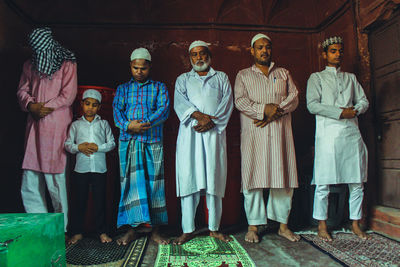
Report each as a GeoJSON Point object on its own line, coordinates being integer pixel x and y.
{"type": "Point", "coordinates": [12, 53]}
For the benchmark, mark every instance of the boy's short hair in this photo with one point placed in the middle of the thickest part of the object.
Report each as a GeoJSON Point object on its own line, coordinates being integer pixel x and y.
{"type": "Point", "coordinates": [92, 93]}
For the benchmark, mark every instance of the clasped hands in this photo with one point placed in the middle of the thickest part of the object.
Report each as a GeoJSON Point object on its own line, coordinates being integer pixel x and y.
{"type": "Point", "coordinates": [271, 112]}
{"type": "Point", "coordinates": [88, 148]}
{"type": "Point", "coordinates": [348, 113]}
{"type": "Point", "coordinates": [204, 121]}
{"type": "Point", "coordinates": [137, 126]}
{"type": "Point", "coordinates": [38, 110]}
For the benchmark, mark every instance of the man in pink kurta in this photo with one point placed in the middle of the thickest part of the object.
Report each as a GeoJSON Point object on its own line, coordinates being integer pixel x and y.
{"type": "Point", "coordinates": [265, 95]}
{"type": "Point", "coordinates": [46, 90]}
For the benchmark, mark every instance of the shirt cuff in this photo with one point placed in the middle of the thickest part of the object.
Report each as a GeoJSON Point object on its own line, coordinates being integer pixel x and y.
{"type": "Point", "coordinates": [260, 112]}
{"type": "Point", "coordinates": [101, 147]}
{"type": "Point", "coordinates": [74, 148]}
{"type": "Point", "coordinates": [187, 115]}
{"type": "Point", "coordinates": [338, 113]}
{"type": "Point", "coordinates": [27, 101]}
{"type": "Point", "coordinates": [125, 126]}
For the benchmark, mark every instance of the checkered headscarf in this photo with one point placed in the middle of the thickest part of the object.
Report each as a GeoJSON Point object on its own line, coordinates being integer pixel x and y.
{"type": "Point", "coordinates": [48, 54]}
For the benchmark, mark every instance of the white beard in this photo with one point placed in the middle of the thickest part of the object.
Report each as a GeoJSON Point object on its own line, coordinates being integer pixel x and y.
{"type": "Point", "coordinates": [201, 65]}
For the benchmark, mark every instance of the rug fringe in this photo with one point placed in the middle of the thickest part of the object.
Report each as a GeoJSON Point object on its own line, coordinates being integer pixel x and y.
{"type": "Point", "coordinates": [315, 232]}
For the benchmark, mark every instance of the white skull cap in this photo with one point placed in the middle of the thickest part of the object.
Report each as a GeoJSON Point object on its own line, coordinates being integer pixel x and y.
{"type": "Point", "coordinates": [259, 36]}
{"type": "Point", "coordinates": [198, 43]}
{"type": "Point", "coordinates": [92, 93]}
{"type": "Point", "coordinates": [141, 53]}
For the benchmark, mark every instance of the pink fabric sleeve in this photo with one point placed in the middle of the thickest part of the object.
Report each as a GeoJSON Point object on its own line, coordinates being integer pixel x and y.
{"type": "Point", "coordinates": [69, 87]}
{"type": "Point", "coordinates": [24, 93]}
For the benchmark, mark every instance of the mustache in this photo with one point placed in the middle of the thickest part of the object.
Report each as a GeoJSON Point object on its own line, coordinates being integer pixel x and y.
{"type": "Point", "coordinates": [200, 62]}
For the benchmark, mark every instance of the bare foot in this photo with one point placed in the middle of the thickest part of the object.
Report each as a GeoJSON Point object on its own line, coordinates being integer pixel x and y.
{"type": "Point", "coordinates": [358, 232]}
{"type": "Point", "coordinates": [127, 237]}
{"type": "Point", "coordinates": [251, 235]}
{"type": "Point", "coordinates": [156, 237]}
{"type": "Point", "coordinates": [323, 232]}
{"type": "Point", "coordinates": [74, 239]}
{"type": "Point", "coordinates": [104, 238]}
{"type": "Point", "coordinates": [285, 232]}
{"type": "Point", "coordinates": [220, 236]}
{"type": "Point", "coordinates": [183, 239]}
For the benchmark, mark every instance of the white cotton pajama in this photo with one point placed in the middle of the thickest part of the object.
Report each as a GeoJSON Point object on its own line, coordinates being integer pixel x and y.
{"type": "Point", "coordinates": [356, 195]}
{"type": "Point", "coordinates": [33, 192]}
{"type": "Point", "coordinates": [278, 207]}
{"type": "Point", "coordinates": [189, 206]}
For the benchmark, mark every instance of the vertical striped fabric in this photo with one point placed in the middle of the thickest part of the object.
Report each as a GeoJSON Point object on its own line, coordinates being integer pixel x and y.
{"type": "Point", "coordinates": [268, 155]}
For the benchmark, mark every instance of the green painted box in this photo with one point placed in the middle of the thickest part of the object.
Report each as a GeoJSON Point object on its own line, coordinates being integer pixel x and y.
{"type": "Point", "coordinates": [32, 239]}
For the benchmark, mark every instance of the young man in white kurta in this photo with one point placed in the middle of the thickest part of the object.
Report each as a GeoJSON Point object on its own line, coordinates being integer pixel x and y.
{"type": "Point", "coordinates": [336, 98]}
{"type": "Point", "coordinates": [266, 95]}
{"type": "Point", "coordinates": [203, 103]}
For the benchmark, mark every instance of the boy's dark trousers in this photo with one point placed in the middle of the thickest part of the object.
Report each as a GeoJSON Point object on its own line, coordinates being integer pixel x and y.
{"type": "Point", "coordinates": [80, 183]}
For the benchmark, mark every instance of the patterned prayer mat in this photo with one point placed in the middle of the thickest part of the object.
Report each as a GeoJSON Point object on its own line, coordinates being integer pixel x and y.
{"type": "Point", "coordinates": [204, 251]}
{"type": "Point", "coordinates": [91, 252]}
{"type": "Point", "coordinates": [349, 250]}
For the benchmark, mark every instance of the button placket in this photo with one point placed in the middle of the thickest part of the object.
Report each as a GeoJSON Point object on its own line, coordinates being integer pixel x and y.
{"type": "Point", "coordinates": [92, 141]}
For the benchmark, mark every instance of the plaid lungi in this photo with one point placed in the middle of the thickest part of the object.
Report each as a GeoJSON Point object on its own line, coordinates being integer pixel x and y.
{"type": "Point", "coordinates": [142, 184]}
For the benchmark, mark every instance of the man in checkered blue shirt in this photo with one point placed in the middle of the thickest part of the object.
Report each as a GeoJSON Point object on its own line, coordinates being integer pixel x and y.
{"type": "Point", "coordinates": [141, 106]}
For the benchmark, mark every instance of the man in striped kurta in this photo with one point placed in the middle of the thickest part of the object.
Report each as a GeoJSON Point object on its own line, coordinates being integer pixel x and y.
{"type": "Point", "coordinates": [265, 95]}
{"type": "Point", "coordinates": [140, 108]}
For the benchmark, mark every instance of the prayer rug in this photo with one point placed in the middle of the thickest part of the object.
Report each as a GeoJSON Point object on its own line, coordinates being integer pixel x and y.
{"type": "Point", "coordinates": [204, 251]}
{"type": "Point", "coordinates": [349, 250]}
{"type": "Point", "coordinates": [91, 252]}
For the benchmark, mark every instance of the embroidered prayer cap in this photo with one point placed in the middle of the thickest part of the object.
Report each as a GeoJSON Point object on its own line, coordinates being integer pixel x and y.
{"type": "Point", "coordinates": [259, 36]}
{"type": "Point", "coordinates": [141, 53]}
{"type": "Point", "coordinates": [92, 93]}
{"type": "Point", "coordinates": [198, 43]}
{"type": "Point", "coordinates": [332, 40]}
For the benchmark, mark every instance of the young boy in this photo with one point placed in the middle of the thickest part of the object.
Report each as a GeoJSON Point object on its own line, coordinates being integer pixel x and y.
{"type": "Point", "coordinates": [336, 98]}
{"type": "Point", "coordinates": [90, 138]}
{"type": "Point", "coordinates": [141, 106]}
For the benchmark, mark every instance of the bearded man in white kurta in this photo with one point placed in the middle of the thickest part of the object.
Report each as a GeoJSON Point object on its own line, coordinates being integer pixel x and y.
{"type": "Point", "coordinates": [336, 98]}
{"type": "Point", "coordinates": [265, 95]}
{"type": "Point", "coordinates": [203, 103]}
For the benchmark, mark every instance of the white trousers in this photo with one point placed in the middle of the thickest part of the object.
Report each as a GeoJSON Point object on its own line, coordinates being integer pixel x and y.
{"type": "Point", "coordinates": [189, 206]}
{"type": "Point", "coordinates": [278, 207]}
{"type": "Point", "coordinates": [356, 195]}
{"type": "Point", "coordinates": [33, 192]}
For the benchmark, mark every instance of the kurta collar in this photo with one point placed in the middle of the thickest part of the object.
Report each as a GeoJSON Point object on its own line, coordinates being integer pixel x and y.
{"type": "Point", "coordinates": [96, 117]}
{"type": "Point", "coordinates": [255, 69]}
{"type": "Point", "coordinates": [333, 69]}
{"type": "Point", "coordinates": [210, 73]}
{"type": "Point", "coordinates": [146, 82]}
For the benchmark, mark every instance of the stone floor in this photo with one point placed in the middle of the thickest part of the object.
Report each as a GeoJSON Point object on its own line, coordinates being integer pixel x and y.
{"type": "Point", "coordinates": [273, 250]}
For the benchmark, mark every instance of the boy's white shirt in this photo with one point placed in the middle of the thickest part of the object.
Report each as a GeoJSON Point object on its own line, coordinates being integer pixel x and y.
{"type": "Point", "coordinates": [99, 132]}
